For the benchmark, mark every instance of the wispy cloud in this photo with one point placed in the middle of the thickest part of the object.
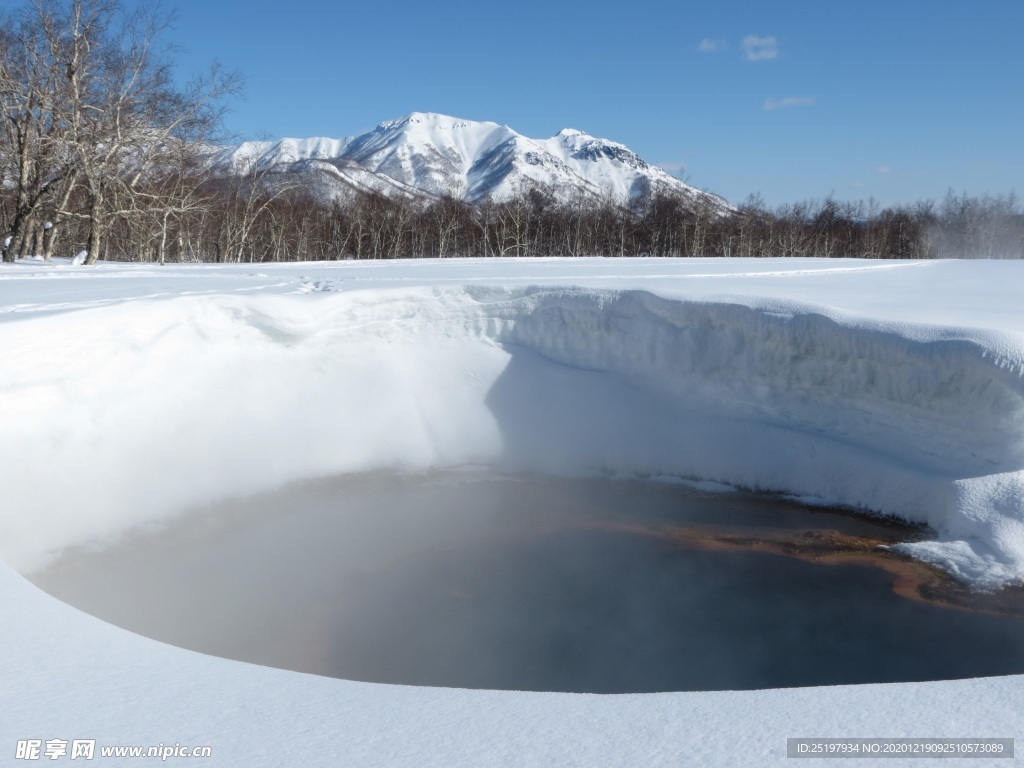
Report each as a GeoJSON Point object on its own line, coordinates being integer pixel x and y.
{"type": "Point", "coordinates": [707, 45]}
{"type": "Point", "coordinates": [789, 101]}
{"type": "Point", "coordinates": [758, 48]}
{"type": "Point", "coordinates": [675, 169]}
{"type": "Point", "coordinates": [883, 169]}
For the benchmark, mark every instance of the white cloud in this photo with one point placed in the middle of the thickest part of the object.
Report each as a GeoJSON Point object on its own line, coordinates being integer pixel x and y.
{"type": "Point", "coordinates": [789, 101]}
{"type": "Point", "coordinates": [883, 169]}
{"type": "Point", "coordinates": [707, 45]}
{"type": "Point", "coordinates": [757, 48]}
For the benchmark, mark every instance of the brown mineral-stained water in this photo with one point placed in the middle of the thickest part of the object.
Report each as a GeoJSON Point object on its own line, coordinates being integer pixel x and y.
{"type": "Point", "coordinates": [603, 585]}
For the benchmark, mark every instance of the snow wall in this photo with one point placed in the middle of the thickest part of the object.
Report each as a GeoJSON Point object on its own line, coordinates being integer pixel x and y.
{"type": "Point", "coordinates": [124, 416]}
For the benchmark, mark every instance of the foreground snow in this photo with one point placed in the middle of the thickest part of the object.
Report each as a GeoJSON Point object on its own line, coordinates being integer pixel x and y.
{"type": "Point", "coordinates": [132, 393]}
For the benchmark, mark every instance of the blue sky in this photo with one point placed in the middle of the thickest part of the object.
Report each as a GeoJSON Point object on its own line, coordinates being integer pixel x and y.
{"type": "Point", "coordinates": [900, 100]}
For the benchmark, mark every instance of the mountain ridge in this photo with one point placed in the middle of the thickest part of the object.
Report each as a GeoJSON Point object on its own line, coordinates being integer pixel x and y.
{"type": "Point", "coordinates": [430, 155]}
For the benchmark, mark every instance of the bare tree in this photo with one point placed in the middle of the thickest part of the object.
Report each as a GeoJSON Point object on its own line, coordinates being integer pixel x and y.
{"type": "Point", "coordinates": [93, 120]}
{"type": "Point", "coordinates": [33, 162]}
{"type": "Point", "coordinates": [129, 125]}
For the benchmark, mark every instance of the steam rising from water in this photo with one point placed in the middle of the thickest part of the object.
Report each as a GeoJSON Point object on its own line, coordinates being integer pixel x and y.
{"type": "Point", "coordinates": [174, 403]}
{"type": "Point", "coordinates": [476, 580]}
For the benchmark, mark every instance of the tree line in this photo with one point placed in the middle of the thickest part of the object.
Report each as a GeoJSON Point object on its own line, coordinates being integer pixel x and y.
{"type": "Point", "coordinates": [103, 152]}
{"type": "Point", "coordinates": [237, 221]}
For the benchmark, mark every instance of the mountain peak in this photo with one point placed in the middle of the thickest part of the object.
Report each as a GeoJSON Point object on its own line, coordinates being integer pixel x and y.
{"type": "Point", "coordinates": [425, 118]}
{"type": "Point", "coordinates": [432, 121]}
{"type": "Point", "coordinates": [429, 154]}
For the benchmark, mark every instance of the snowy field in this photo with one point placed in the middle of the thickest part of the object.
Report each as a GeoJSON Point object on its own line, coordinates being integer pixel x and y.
{"type": "Point", "coordinates": [130, 393]}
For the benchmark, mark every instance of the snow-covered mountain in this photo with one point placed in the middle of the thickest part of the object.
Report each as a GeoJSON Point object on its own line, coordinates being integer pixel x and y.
{"type": "Point", "coordinates": [430, 155]}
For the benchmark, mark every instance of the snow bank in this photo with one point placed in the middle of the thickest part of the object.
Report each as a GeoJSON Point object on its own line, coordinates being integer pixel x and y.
{"type": "Point", "coordinates": [124, 415]}
{"type": "Point", "coordinates": [925, 424]}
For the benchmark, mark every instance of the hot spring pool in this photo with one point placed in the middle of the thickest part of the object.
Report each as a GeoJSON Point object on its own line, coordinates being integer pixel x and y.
{"type": "Point", "coordinates": [479, 580]}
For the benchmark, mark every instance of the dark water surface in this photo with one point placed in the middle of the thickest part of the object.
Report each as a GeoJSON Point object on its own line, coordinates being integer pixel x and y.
{"type": "Point", "coordinates": [484, 581]}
